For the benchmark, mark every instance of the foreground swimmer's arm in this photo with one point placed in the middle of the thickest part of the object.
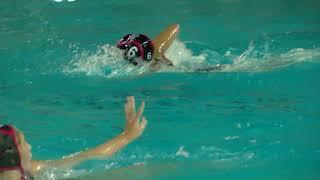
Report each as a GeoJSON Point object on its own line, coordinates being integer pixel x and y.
{"type": "Point", "coordinates": [134, 128]}
{"type": "Point", "coordinates": [163, 41]}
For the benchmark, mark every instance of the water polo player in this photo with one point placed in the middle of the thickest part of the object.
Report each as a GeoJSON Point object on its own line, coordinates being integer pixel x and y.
{"type": "Point", "coordinates": [139, 47]}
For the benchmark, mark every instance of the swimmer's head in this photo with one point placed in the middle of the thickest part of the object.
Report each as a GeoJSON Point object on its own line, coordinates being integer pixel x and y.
{"type": "Point", "coordinates": [136, 46]}
{"type": "Point", "coordinates": [14, 152]}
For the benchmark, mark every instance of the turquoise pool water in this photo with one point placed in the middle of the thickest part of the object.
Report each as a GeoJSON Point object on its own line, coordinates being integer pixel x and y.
{"type": "Point", "coordinates": [64, 84]}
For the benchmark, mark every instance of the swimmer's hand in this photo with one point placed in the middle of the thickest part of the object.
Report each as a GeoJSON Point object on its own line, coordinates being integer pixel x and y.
{"type": "Point", "coordinates": [135, 125]}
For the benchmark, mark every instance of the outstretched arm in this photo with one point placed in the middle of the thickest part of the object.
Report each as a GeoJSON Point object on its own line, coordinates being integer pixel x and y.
{"type": "Point", "coordinates": [134, 128]}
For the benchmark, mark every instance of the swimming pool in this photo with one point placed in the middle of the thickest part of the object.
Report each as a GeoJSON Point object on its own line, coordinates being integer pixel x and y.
{"type": "Point", "coordinates": [64, 84]}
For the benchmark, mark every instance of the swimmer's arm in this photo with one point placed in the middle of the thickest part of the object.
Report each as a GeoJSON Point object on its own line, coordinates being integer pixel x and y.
{"type": "Point", "coordinates": [164, 40]}
{"type": "Point", "coordinates": [166, 61]}
{"type": "Point", "coordinates": [101, 151]}
{"type": "Point", "coordinates": [161, 60]}
{"type": "Point", "coordinates": [134, 128]}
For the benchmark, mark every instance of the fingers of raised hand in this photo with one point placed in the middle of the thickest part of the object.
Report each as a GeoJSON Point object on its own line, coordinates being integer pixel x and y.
{"type": "Point", "coordinates": [133, 104]}
{"type": "Point", "coordinates": [131, 115]}
{"type": "Point", "coordinates": [140, 111]}
{"type": "Point", "coordinates": [127, 111]}
{"type": "Point", "coordinates": [130, 109]}
{"type": "Point", "coordinates": [143, 123]}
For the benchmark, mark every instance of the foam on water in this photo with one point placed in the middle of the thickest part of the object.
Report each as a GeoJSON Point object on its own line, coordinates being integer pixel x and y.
{"type": "Point", "coordinates": [107, 61]}
{"type": "Point", "coordinates": [251, 61]}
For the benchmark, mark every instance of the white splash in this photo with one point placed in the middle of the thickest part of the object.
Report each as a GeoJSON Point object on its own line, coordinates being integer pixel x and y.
{"type": "Point", "coordinates": [108, 61]}
{"type": "Point", "coordinates": [183, 57]}
{"type": "Point", "coordinates": [228, 138]}
{"type": "Point", "coordinates": [182, 152]}
{"type": "Point", "coordinates": [62, 0]}
{"type": "Point", "coordinates": [253, 60]}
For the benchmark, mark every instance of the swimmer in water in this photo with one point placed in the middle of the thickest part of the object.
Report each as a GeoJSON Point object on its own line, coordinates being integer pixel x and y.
{"type": "Point", "coordinates": [15, 155]}
{"type": "Point", "coordinates": [139, 47]}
